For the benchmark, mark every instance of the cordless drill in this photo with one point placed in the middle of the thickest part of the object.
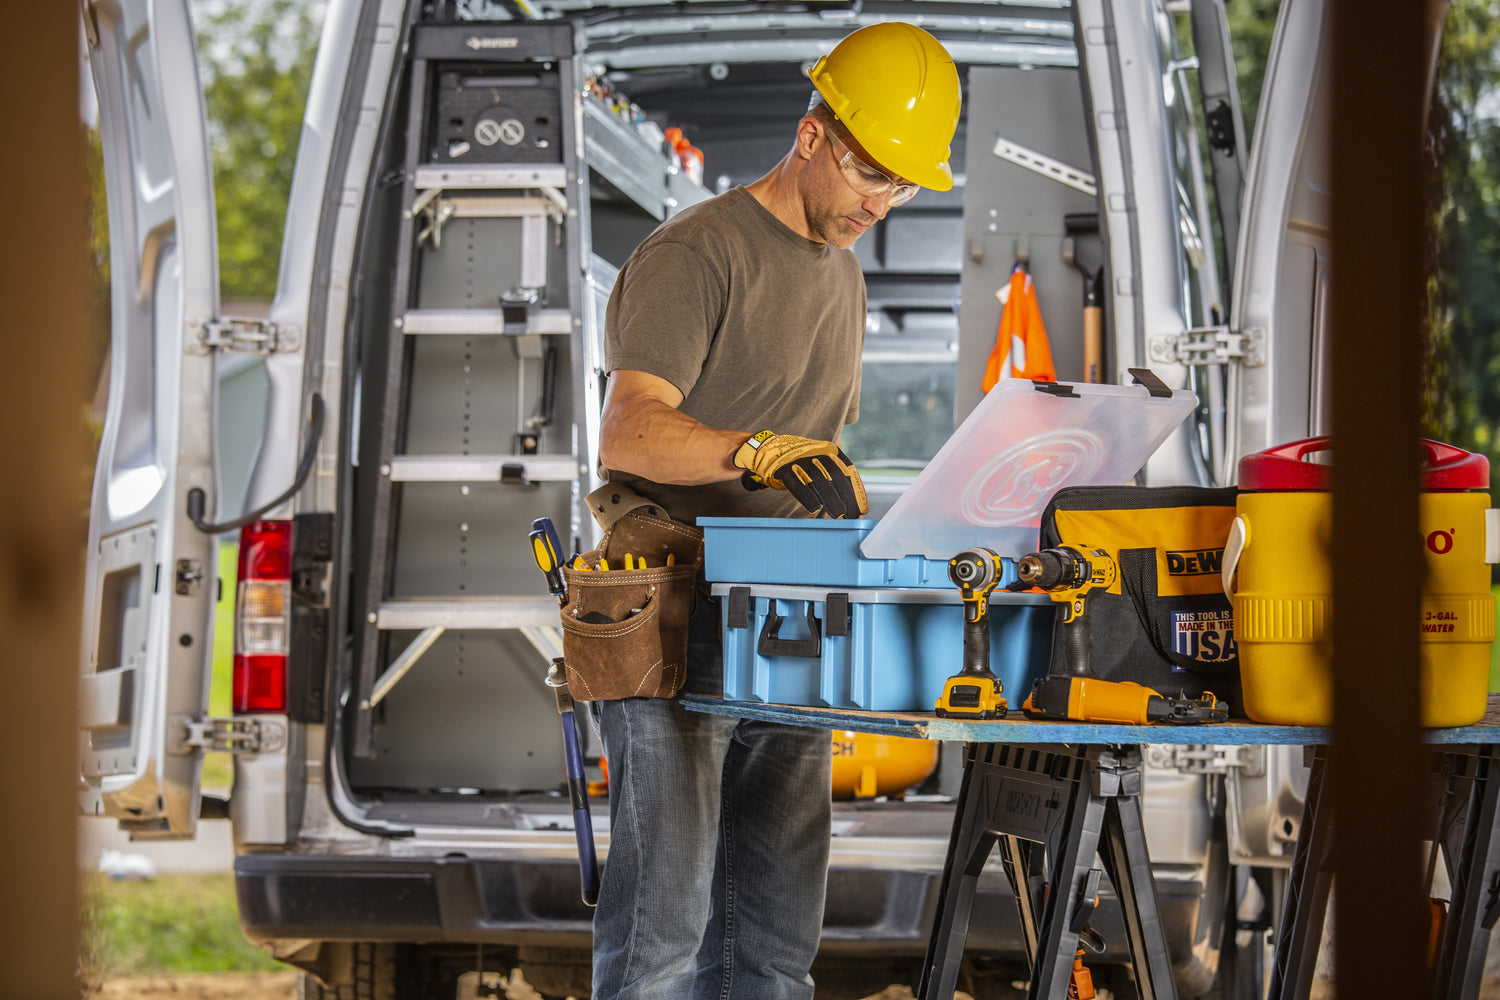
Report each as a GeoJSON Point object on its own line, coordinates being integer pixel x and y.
{"type": "Point", "coordinates": [1073, 575]}
{"type": "Point", "coordinates": [976, 692]}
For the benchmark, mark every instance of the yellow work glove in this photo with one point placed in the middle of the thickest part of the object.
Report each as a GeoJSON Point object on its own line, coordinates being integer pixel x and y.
{"type": "Point", "coordinates": [817, 473]}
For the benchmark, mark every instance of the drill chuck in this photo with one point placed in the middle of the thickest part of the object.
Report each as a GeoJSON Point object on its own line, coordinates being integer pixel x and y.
{"type": "Point", "coordinates": [1053, 569]}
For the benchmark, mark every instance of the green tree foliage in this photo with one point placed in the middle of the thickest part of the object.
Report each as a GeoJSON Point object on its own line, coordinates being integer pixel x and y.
{"type": "Point", "coordinates": [98, 258]}
{"type": "Point", "coordinates": [1251, 25]}
{"type": "Point", "coordinates": [1462, 375]}
{"type": "Point", "coordinates": [257, 58]}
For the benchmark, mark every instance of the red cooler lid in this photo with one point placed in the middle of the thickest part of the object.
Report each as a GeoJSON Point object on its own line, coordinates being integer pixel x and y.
{"type": "Point", "coordinates": [1444, 467]}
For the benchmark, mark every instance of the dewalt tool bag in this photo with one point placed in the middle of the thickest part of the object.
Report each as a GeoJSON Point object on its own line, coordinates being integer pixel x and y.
{"type": "Point", "coordinates": [625, 630]}
{"type": "Point", "coordinates": [1166, 623]}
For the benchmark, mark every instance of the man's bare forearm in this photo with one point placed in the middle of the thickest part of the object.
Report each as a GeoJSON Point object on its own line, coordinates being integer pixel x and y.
{"type": "Point", "coordinates": [651, 439]}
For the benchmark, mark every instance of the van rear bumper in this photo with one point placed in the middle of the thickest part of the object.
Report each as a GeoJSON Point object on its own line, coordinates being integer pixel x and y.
{"type": "Point", "coordinates": [534, 902]}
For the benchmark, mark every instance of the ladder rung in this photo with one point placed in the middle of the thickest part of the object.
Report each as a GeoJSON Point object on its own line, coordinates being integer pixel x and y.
{"type": "Point", "coordinates": [483, 468]}
{"type": "Point", "coordinates": [469, 322]}
{"type": "Point", "coordinates": [510, 175]}
{"type": "Point", "coordinates": [471, 613]}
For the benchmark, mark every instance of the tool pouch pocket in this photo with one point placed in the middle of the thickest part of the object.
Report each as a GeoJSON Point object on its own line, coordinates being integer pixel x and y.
{"type": "Point", "coordinates": [1169, 626]}
{"type": "Point", "coordinates": [625, 631]}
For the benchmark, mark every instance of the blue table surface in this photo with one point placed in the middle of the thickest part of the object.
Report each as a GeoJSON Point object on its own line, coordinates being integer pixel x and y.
{"type": "Point", "coordinates": [1016, 728]}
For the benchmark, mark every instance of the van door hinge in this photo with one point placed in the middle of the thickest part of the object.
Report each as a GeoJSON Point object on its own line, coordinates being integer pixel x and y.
{"type": "Point", "coordinates": [1210, 345]}
{"type": "Point", "coordinates": [225, 735]}
{"type": "Point", "coordinates": [245, 336]}
{"type": "Point", "coordinates": [189, 577]}
{"type": "Point", "coordinates": [1208, 759]}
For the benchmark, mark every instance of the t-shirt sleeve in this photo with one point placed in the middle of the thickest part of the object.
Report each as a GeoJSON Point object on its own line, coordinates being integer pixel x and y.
{"type": "Point", "coordinates": [662, 314]}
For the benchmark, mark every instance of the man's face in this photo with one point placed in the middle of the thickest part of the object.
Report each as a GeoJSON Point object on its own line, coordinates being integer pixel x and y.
{"type": "Point", "coordinates": [839, 210]}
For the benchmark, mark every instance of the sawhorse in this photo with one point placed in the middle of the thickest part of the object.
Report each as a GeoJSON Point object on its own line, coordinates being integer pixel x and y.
{"type": "Point", "coordinates": [1074, 801]}
{"type": "Point", "coordinates": [1467, 795]}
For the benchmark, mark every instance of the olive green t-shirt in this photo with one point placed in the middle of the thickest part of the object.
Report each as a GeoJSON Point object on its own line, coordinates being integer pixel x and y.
{"type": "Point", "coordinates": [758, 327]}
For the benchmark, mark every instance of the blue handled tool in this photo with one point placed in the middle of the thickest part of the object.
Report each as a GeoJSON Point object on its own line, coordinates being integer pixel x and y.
{"type": "Point", "coordinates": [578, 789]}
{"type": "Point", "coordinates": [548, 553]}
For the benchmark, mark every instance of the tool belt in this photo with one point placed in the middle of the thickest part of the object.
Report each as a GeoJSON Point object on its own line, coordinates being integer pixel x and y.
{"type": "Point", "coordinates": [1166, 624]}
{"type": "Point", "coordinates": [625, 631]}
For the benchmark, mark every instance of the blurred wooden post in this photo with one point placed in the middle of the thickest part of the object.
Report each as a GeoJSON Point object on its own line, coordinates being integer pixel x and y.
{"type": "Point", "coordinates": [1376, 763]}
{"type": "Point", "coordinates": [43, 497]}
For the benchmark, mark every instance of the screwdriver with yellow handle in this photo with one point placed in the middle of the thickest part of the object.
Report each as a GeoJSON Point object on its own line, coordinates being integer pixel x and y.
{"type": "Point", "coordinates": [547, 551]}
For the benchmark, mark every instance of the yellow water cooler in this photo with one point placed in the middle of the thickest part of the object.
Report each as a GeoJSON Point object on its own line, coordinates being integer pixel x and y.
{"type": "Point", "coordinates": [1283, 592]}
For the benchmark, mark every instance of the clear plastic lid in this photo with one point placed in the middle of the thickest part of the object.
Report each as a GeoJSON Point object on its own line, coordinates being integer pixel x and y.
{"type": "Point", "coordinates": [1021, 444]}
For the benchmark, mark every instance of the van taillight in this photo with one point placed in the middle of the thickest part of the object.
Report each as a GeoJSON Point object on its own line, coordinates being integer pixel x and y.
{"type": "Point", "coordinates": [263, 617]}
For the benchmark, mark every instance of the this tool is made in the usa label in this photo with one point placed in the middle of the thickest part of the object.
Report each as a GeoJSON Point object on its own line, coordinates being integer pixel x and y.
{"type": "Point", "coordinates": [1205, 636]}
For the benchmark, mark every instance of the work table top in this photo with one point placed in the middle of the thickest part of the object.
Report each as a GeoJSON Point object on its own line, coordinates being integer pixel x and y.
{"type": "Point", "coordinates": [1016, 728]}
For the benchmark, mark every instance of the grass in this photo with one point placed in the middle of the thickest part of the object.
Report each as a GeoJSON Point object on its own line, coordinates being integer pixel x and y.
{"type": "Point", "coordinates": [163, 926]}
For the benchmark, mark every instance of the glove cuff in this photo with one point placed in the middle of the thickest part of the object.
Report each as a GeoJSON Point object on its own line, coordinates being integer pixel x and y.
{"type": "Point", "coordinates": [744, 456]}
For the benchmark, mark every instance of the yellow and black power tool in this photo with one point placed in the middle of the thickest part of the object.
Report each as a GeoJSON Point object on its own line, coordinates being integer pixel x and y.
{"type": "Point", "coordinates": [1072, 575]}
{"type": "Point", "coordinates": [976, 693]}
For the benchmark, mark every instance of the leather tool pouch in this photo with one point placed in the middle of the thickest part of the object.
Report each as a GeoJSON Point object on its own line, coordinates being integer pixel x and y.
{"type": "Point", "coordinates": [625, 631]}
{"type": "Point", "coordinates": [1169, 627]}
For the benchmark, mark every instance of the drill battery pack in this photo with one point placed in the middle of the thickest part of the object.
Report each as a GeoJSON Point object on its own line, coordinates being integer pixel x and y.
{"type": "Point", "coordinates": [1165, 623]}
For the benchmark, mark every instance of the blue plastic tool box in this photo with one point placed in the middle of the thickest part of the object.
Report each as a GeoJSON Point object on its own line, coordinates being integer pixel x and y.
{"type": "Point", "coordinates": [812, 552]}
{"type": "Point", "coordinates": [877, 649]}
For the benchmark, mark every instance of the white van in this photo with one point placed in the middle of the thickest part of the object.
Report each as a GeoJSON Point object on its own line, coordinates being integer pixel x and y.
{"type": "Point", "coordinates": [470, 175]}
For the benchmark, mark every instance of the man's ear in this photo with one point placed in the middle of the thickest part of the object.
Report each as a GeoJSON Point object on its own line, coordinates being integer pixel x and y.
{"type": "Point", "coordinates": [809, 134]}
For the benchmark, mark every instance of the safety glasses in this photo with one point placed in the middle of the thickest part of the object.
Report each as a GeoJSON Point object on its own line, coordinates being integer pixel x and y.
{"type": "Point", "coordinates": [871, 182]}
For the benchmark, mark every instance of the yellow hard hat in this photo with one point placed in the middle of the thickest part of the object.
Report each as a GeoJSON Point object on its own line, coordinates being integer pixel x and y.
{"type": "Point", "coordinates": [896, 90]}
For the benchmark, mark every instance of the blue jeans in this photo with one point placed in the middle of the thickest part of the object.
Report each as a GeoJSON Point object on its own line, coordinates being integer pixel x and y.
{"type": "Point", "coordinates": [718, 855]}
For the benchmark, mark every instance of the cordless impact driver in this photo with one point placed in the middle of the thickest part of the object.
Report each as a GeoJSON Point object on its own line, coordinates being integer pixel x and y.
{"type": "Point", "coordinates": [976, 692]}
{"type": "Point", "coordinates": [1073, 575]}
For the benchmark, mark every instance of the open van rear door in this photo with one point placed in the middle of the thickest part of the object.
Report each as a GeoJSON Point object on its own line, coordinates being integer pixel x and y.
{"type": "Point", "coordinates": [151, 581]}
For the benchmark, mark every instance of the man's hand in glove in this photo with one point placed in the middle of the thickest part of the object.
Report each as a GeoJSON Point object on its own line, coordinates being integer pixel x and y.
{"type": "Point", "coordinates": [817, 473]}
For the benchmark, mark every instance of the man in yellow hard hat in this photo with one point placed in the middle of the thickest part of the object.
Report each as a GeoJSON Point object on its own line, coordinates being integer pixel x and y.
{"type": "Point", "coordinates": [733, 341]}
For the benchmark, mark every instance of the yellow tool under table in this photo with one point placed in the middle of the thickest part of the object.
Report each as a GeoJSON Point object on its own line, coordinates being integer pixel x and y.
{"type": "Point", "coordinates": [1075, 788]}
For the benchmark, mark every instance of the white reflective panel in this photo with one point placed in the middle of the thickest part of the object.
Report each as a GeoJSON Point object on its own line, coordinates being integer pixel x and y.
{"type": "Point", "coordinates": [130, 490]}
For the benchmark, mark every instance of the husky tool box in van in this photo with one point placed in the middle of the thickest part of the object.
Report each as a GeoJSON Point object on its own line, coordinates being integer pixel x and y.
{"type": "Point", "coordinates": [470, 177]}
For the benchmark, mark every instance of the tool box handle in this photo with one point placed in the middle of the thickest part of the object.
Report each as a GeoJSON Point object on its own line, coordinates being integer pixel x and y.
{"type": "Point", "coordinates": [771, 643]}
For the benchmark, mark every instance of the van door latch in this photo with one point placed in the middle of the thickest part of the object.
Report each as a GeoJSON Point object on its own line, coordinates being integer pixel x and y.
{"type": "Point", "coordinates": [186, 734]}
{"type": "Point", "coordinates": [1210, 345]}
{"type": "Point", "coordinates": [1208, 759]}
{"type": "Point", "coordinates": [240, 335]}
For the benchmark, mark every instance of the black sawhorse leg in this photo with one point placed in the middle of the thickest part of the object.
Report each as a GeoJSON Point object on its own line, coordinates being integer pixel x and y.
{"type": "Point", "coordinates": [1467, 796]}
{"type": "Point", "coordinates": [1078, 801]}
{"type": "Point", "coordinates": [1472, 848]}
{"type": "Point", "coordinates": [1306, 893]}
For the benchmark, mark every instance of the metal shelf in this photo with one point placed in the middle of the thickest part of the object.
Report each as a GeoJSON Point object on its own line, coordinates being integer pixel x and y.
{"type": "Point", "coordinates": [467, 613]}
{"type": "Point", "coordinates": [642, 173]}
{"type": "Point", "coordinates": [498, 175]}
{"type": "Point", "coordinates": [482, 322]}
{"type": "Point", "coordinates": [482, 468]}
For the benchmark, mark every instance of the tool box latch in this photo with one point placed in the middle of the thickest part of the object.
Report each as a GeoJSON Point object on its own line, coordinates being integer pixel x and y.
{"type": "Point", "coordinates": [739, 608]}
{"type": "Point", "coordinates": [1147, 378]}
{"type": "Point", "coordinates": [1055, 388]}
{"type": "Point", "coordinates": [836, 614]}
